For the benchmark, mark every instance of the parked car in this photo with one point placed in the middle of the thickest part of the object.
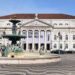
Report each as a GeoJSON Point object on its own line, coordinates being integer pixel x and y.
{"type": "Point", "coordinates": [58, 51]}
{"type": "Point", "coordinates": [70, 52]}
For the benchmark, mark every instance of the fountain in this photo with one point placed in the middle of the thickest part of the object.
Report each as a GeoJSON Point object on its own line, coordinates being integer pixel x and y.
{"type": "Point", "coordinates": [14, 37]}
{"type": "Point", "coordinates": [16, 55]}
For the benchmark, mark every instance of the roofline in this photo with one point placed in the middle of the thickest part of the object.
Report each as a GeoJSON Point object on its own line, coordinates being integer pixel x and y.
{"type": "Point", "coordinates": [39, 16]}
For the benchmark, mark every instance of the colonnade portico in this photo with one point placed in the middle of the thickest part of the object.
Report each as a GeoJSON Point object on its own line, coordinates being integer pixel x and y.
{"type": "Point", "coordinates": [38, 42]}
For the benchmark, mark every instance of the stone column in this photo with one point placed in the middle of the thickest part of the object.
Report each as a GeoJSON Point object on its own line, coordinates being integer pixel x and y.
{"type": "Point", "coordinates": [39, 41]}
{"type": "Point", "coordinates": [27, 42]}
{"type": "Point", "coordinates": [45, 41]}
{"type": "Point", "coordinates": [33, 42]}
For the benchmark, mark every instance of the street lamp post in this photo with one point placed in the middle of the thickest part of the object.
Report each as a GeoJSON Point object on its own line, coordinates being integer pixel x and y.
{"type": "Point", "coordinates": [64, 45]}
{"type": "Point", "coordinates": [51, 45]}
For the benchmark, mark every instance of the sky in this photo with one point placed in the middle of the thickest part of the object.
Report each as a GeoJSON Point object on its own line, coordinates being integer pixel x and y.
{"type": "Point", "coordinates": [37, 6]}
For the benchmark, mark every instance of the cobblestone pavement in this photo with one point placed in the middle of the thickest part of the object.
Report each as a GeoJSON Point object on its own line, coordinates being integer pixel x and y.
{"type": "Point", "coordinates": [65, 67]}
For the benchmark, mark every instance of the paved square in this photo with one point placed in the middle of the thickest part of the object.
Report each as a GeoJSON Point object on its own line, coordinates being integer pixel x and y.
{"type": "Point", "coordinates": [65, 67]}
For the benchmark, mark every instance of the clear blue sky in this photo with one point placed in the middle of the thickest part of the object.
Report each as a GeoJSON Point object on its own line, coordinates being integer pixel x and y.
{"type": "Point", "coordinates": [37, 6]}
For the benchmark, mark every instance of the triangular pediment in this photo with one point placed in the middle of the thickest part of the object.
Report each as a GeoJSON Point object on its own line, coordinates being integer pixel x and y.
{"type": "Point", "coordinates": [36, 23]}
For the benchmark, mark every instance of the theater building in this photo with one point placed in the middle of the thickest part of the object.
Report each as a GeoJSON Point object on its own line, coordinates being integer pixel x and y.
{"type": "Point", "coordinates": [52, 31]}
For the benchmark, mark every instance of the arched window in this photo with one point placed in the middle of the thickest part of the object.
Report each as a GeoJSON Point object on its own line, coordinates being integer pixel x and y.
{"type": "Point", "coordinates": [24, 32]}
{"type": "Point", "coordinates": [42, 34]}
{"type": "Point", "coordinates": [36, 34]}
{"type": "Point", "coordinates": [30, 33]}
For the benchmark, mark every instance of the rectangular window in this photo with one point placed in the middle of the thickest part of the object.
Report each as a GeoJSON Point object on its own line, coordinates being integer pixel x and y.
{"type": "Point", "coordinates": [73, 37]}
{"type": "Point", "coordinates": [55, 24]}
{"type": "Point", "coordinates": [66, 23]}
{"type": "Point", "coordinates": [60, 24]}
{"type": "Point", "coordinates": [60, 46]}
{"type": "Point", "coordinates": [55, 37]}
{"type": "Point", "coordinates": [66, 46]}
{"type": "Point", "coordinates": [73, 45]}
{"type": "Point", "coordinates": [55, 46]}
{"type": "Point", "coordinates": [48, 37]}
{"type": "Point", "coordinates": [66, 37]}
{"type": "Point", "coordinates": [60, 37]}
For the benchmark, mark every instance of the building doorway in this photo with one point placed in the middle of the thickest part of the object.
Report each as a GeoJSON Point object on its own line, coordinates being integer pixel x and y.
{"type": "Point", "coordinates": [24, 46]}
{"type": "Point", "coordinates": [36, 46]}
{"type": "Point", "coordinates": [48, 46]}
{"type": "Point", "coordinates": [30, 46]}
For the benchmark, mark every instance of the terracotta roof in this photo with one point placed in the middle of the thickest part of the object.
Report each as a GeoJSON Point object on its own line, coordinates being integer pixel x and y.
{"type": "Point", "coordinates": [40, 16]}
{"type": "Point", "coordinates": [18, 16]}
{"type": "Point", "coordinates": [55, 16]}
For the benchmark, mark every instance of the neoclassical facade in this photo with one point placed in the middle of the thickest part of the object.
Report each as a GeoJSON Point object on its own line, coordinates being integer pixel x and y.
{"type": "Point", "coordinates": [50, 31]}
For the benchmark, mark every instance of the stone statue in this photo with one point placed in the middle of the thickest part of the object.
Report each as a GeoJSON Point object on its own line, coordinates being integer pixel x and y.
{"type": "Point", "coordinates": [41, 51]}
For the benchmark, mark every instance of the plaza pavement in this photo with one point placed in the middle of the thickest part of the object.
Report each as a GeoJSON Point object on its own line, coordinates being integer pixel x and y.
{"type": "Point", "coordinates": [65, 67]}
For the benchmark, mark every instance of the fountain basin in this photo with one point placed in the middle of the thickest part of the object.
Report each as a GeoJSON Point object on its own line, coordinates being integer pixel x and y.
{"type": "Point", "coordinates": [30, 58]}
